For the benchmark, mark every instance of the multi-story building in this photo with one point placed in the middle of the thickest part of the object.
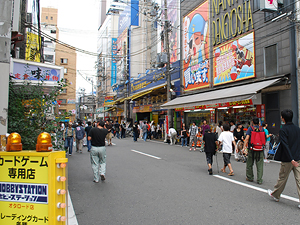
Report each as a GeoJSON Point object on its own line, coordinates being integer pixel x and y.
{"type": "Point", "coordinates": [62, 56]}
{"type": "Point", "coordinates": [239, 61]}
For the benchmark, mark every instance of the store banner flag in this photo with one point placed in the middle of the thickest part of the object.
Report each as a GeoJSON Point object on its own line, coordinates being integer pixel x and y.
{"type": "Point", "coordinates": [196, 48]}
{"type": "Point", "coordinates": [234, 60]}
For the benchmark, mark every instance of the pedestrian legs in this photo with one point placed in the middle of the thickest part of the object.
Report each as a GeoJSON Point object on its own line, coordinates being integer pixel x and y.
{"type": "Point", "coordinates": [98, 161]}
{"type": "Point", "coordinates": [259, 160]}
{"type": "Point", "coordinates": [145, 136]}
{"type": "Point", "coordinates": [249, 166]}
{"type": "Point", "coordinates": [79, 145]}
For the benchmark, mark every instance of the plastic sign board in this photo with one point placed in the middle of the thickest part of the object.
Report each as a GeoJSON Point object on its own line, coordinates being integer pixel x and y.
{"type": "Point", "coordinates": [268, 5]}
{"type": "Point", "coordinates": [30, 184]}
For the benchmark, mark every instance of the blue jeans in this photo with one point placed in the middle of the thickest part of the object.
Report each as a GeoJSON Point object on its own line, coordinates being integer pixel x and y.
{"type": "Point", "coordinates": [98, 161]}
{"type": "Point", "coordinates": [89, 145]}
{"type": "Point", "coordinates": [183, 141]}
{"type": "Point", "coordinates": [69, 141]}
{"type": "Point", "coordinates": [118, 134]}
{"type": "Point", "coordinates": [145, 136]}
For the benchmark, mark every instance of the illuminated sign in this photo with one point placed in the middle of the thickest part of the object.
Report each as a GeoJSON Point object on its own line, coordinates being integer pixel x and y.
{"type": "Point", "coordinates": [196, 48]}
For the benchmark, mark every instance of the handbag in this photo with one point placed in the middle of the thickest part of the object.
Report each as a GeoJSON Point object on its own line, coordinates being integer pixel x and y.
{"type": "Point", "coordinates": [74, 144]}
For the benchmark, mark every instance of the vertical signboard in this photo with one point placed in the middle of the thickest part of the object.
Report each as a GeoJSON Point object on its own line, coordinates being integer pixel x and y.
{"type": "Point", "coordinates": [30, 190]}
{"type": "Point", "coordinates": [234, 60]}
{"type": "Point", "coordinates": [33, 47]}
{"type": "Point", "coordinates": [196, 48]}
{"type": "Point", "coordinates": [172, 6]}
{"type": "Point", "coordinates": [114, 53]}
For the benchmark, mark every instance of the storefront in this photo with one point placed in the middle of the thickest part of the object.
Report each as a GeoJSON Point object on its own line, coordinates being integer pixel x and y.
{"type": "Point", "coordinates": [214, 106]}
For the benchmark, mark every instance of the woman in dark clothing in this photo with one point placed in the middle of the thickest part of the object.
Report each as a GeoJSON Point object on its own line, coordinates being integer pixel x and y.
{"type": "Point", "coordinates": [238, 135]}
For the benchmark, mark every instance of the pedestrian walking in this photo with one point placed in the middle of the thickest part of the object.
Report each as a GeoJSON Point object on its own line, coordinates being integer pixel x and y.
{"type": "Point", "coordinates": [227, 140]}
{"type": "Point", "coordinates": [288, 154]}
{"type": "Point", "coordinates": [232, 126]}
{"type": "Point", "coordinates": [97, 137]}
{"type": "Point", "coordinates": [268, 136]}
{"type": "Point", "coordinates": [193, 139]}
{"type": "Point", "coordinates": [135, 130]}
{"type": "Point", "coordinates": [210, 147]}
{"type": "Point", "coordinates": [87, 130]}
{"type": "Point", "coordinates": [204, 127]}
{"type": "Point", "coordinates": [183, 135]}
{"type": "Point", "coordinates": [80, 134]}
{"type": "Point", "coordinates": [69, 138]}
{"type": "Point", "coordinates": [109, 135]}
{"type": "Point", "coordinates": [219, 129]}
{"type": "Point", "coordinates": [238, 135]}
{"type": "Point", "coordinates": [153, 130]}
{"type": "Point", "coordinates": [172, 134]}
{"type": "Point", "coordinates": [117, 129]}
{"type": "Point", "coordinates": [145, 130]}
{"type": "Point", "coordinates": [123, 129]}
{"type": "Point", "coordinates": [255, 134]}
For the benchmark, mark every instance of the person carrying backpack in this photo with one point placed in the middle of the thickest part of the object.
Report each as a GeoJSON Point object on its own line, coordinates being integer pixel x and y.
{"type": "Point", "coordinates": [255, 140]}
{"type": "Point", "coordinates": [80, 134]}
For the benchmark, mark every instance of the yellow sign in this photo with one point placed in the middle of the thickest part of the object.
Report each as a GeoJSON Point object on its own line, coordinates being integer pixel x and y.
{"type": "Point", "coordinates": [32, 184]}
{"type": "Point", "coordinates": [33, 47]}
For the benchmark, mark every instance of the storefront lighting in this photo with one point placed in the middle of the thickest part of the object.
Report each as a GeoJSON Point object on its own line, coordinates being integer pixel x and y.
{"type": "Point", "coordinates": [223, 108]}
{"type": "Point", "coordinates": [208, 109]}
{"type": "Point", "coordinates": [196, 110]}
{"type": "Point", "coordinates": [187, 110]}
{"type": "Point", "coordinates": [240, 106]}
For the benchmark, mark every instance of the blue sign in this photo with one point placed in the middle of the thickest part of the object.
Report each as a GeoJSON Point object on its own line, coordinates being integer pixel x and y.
{"type": "Point", "coordinates": [24, 192]}
{"type": "Point", "coordinates": [155, 79]}
{"type": "Point", "coordinates": [130, 16]}
{"type": "Point", "coordinates": [114, 53]}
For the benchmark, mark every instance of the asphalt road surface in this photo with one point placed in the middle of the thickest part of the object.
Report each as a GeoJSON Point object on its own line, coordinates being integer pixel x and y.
{"type": "Point", "coordinates": [156, 183]}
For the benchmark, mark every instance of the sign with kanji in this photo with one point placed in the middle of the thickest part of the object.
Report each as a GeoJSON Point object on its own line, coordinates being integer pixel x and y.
{"type": "Point", "coordinates": [28, 185]}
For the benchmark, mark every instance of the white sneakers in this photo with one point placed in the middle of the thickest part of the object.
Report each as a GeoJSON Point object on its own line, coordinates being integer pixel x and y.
{"type": "Point", "coordinates": [270, 194]}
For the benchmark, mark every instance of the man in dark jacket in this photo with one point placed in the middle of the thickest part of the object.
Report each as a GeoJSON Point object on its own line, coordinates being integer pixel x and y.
{"type": "Point", "coordinates": [210, 148]}
{"type": "Point", "coordinates": [288, 154]}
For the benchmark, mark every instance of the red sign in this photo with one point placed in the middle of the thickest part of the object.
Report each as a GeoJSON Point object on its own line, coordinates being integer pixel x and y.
{"type": "Point", "coordinates": [217, 105]}
{"type": "Point", "coordinates": [59, 102]}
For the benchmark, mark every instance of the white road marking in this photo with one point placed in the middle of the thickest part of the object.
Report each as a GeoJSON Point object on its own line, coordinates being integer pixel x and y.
{"type": "Point", "coordinates": [255, 188]}
{"type": "Point", "coordinates": [142, 153]}
{"type": "Point", "coordinates": [72, 220]}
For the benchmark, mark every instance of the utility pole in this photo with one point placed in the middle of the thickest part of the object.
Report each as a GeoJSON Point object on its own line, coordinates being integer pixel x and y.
{"type": "Point", "coordinates": [168, 75]}
{"type": "Point", "coordinates": [126, 77]}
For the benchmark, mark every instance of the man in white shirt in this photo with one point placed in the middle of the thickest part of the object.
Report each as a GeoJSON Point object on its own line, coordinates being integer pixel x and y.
{"type": "Point", "coordinates": [226, 138]}
{"type": "Point", "coordinates": [172, 135]}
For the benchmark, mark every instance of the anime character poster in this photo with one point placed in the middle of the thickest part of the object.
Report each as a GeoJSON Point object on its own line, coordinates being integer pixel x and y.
{"type": "Point", "coordinates": [234, 60]}
{"type": "Point", "coordinates": [196, 48]}
{"type": "Point", "coordinates": [173, 38]}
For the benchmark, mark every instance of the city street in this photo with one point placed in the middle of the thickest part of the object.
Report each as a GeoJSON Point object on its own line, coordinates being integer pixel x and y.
{"type": "Point", "coordinates": [156, 183]}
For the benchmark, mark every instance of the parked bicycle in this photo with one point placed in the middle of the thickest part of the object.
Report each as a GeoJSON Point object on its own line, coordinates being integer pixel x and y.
{"type": "Point", "coordinates": [274, 144]}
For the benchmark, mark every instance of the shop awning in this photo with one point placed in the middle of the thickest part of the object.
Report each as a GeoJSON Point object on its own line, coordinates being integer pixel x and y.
{"type": "Point", "coordinates": [230, 94]}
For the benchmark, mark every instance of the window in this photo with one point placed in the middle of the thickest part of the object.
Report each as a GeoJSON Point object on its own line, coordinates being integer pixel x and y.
{"type": "Point", "coordinates": [271, 61]}
{"type": "Point", "coordinates": [48, 58]}
{"type": "Point", "coordinates": [65, 70]}
{"type": "Point", "coordinates": [256, 5]}
{"type": "Point", "coordinates": [64, 61]}
{"type": "Point", "coordinates": [46, 17]}
{"type": "Point", "coordinates": [51, 18]}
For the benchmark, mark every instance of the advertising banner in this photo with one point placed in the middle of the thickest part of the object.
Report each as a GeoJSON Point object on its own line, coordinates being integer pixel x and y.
{"type": "Point", "coordinates": [173, 35]}
{"type": "Point", "coordinates": [28, 187]}
{"type": "Point", "coordinates": [114, 53]}
{"type": "Point", "coordinates": [196, 48]}
{"type": "Point", "coordinates": [234, 60]}
{"type": "Point", "coordinates": [26, 71]}
{"type": "Point", "coordinates": [33, 47]}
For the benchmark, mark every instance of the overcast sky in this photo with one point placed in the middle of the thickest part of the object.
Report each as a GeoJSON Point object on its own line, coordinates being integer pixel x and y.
{"type": "Point", "coordinates": [77, 22]}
